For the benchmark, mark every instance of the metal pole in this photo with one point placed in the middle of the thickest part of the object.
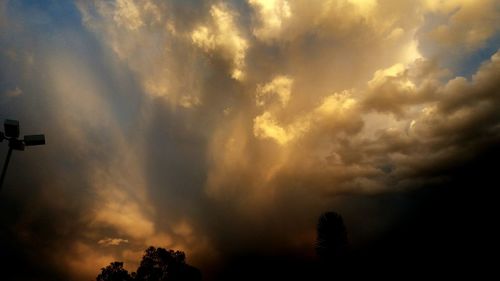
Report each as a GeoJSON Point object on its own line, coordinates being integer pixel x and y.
{"type": "Point", "coordinates": [5, 165]}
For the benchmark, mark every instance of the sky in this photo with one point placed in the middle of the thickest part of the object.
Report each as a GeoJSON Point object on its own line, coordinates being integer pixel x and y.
{"type": "Point", "coordinates": [225, 128]}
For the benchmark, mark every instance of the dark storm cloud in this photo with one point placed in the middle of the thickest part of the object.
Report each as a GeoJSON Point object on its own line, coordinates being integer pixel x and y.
{"type": "Point", "coordinates": [226, 128]}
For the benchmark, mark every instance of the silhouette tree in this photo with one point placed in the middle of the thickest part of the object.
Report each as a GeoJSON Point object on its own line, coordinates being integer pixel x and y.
{"type": "Point", "coordinates": [157, 264]}
{"type": "Point", "coordinates": [114, 272]}
{"type": "Point", "coordinates": [165, 265]}
{"type": "Point", "coordinates": [332, 242]}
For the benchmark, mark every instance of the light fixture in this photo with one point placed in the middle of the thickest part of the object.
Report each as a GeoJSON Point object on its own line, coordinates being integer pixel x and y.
{"type": "Point", "coordinates": [11, 134]}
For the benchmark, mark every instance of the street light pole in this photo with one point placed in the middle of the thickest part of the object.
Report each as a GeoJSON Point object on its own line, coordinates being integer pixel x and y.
{"type": "Point", "coordinates": [11, 134]}
{"type": "Point", "coordinates": [5, 165]}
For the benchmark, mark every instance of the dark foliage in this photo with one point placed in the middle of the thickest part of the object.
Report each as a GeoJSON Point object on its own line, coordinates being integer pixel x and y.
{"type": "Point", "coordinates": [114, 272]}
{"type": "Point", "coordinates": [160, 264]}
{"type": "Point", "coordinates": [157, 264]}
{"type": "Point", "coordinates": [331, 243]}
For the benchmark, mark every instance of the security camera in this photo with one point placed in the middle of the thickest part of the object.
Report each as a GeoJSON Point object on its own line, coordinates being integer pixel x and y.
{"type": "Point", "coordinates": [34, 140]}
{"type": "Point", "coordinates": [11, 128]}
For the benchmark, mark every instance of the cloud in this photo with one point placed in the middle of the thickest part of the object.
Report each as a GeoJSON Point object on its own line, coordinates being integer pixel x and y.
{"type": "Point", "coordinates": [467, 25]}
{"type": "Point", "coordinates": [222, 128]}
{"type": "Point", "coordinates": [459, 33]}
{"type": "Point", "coordinates": [128, 15]}
{"type": "Point", "coordinates": [3, 21]}
{"type": "Point", "coordinates": [280, 86]}
{"type": "Point", "coordinates": [271, 15]}
{"type": "Point", "coordinates": [112, 241]}
{"type": "Point", "coordinates": [14, 92]}
{"type": "Point", "coordinates": [222, 35]}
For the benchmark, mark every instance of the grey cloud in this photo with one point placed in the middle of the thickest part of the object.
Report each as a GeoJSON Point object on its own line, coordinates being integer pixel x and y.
{"type": "Point", "coordinates": [151, 138]}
